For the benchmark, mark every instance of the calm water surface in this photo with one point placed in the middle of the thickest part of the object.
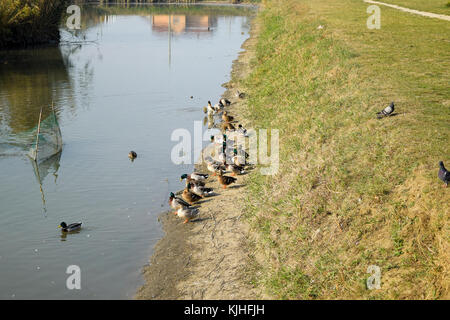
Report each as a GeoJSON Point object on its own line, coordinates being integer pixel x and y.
{"type": "Point", "coordinates": [125, 86]}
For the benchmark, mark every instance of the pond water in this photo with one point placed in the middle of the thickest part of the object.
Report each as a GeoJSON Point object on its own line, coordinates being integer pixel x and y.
{"type": "Point", "coordinates": [124, 82]}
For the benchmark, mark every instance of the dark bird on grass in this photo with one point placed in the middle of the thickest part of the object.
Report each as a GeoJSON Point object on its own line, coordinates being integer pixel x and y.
{"type": "Point", "coordinates": [132, 155]}
{"type": "Point", "coordinates": [443, 174]}
{"type": "Point", "coordinates": [386, 112]}
{"type": "Point", "coordinates": [71, 227]}
{"type": "Point", "coordinates": [240, 95]}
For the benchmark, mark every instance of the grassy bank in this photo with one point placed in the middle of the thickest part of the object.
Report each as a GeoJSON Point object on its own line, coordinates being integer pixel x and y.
{"type": "Point", "coordinates": [352, 191]}
{"type": "Point", "coordinates": [29, 22]}
{"type": "Point", "coordinates": [435, 6]}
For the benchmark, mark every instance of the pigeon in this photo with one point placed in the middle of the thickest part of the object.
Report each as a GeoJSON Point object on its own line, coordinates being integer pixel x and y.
{"type": "Point", "coordinates": [386, 112]}
{"type": "Point", "coordinates": [443, 174]}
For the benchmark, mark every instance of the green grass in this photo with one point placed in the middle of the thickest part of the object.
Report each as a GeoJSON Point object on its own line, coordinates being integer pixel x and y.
{"type": "Point", "coordinates": [435, 6]}
{"type": "Point", "coordinates": [369, 186]}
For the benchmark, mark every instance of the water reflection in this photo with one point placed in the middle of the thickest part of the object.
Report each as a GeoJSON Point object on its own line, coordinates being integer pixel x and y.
{"type": "Point", "coordinates": [182, 23]}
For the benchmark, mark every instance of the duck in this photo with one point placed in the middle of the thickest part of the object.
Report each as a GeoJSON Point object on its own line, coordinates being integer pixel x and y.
{"type": "Point", "coordinates": [235, 169]}
{"type": "Point", "coordinates": [197, 176]}
{"type": "Point", "coordinates": [226, 117]}
{"type": "Point", "coordinates": [219, 106]}
{"type": "Point", "coordinates": [132, 155]}
{"type": "Point", "coordinates": [189, 196]}
{"type": "Point", "coordinates": [443, 174]}
{"type": "Point", "coordinates": [225, 102]}
{"type": "Point", "coordinates": [227, 126]}
{"type": "Point", "coordinates": [209, 109]}
{"type": "Point", "coordinates": [177, 203]}
{"type": "Point", "coordinates": [242, 130]}
{"type": "Point", "coordinates": [71, 227]}
{"type": "Point", "coordinates": [199, 190]}
{"type": "Point", "coordinates": [238, 160]}
{"type": "Point", "coordinates": [225, 180]}
{"type": "Point", "coordinates": [187, 213]}
{"type": "Point", "coordinates": [214, 167]}
{"type": "Point", "coordinates": [190, 180]}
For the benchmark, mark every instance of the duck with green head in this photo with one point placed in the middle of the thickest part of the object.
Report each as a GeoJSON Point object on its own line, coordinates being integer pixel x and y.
{"type": "Point", "coordinates": [71, 227]}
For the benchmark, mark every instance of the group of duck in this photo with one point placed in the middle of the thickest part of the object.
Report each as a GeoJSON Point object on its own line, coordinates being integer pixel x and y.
{"type": "Point", "coordinates": [224, 161]}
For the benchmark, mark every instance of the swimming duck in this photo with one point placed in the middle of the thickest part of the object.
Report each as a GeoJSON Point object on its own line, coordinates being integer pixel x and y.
{"type": "Point", "coordinates": [225, 102]}
{"type": "Point", "coordinates": [189, 196]}
{"type": "Point", "coordinates": [71, 227]}
{"type": "Point", "coordinates": [225, 180]}
{"type": "Point", "coordinates": [132, 155]}
{"type": "Point", "coordinates": [226, 117]}
{"type": "Point", "coordinates": [199, 190]}
{"type": "Point", "coordinates": [177, 203]}
{"type": "Point", "coordinates": [235, 169]}
{"type": "Point", "coordinates": [187, 213]}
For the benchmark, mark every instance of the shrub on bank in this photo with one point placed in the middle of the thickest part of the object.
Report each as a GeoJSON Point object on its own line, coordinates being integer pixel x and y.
{"type": "Point", "coordinates": [29, 22]}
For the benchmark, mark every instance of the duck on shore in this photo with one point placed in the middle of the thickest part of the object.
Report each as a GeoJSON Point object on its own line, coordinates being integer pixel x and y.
{"type": "Point", "coordinates": [177, 203]}
{"type": "Point", "coordinates": [189, 196]}
{"type": "Point", "coordinates": [188, 213]}
{"type": "Point", "coordinates": [225, 180]}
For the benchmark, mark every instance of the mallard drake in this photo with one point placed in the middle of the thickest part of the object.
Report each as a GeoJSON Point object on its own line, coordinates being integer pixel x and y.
{"type": "Point", "coordinates": [71, 227]}
{"type": "Point", "coordinates": [443, 174]}
{"type": "Point", "coordinates": [218, 106]}
{"type": "Point", "coordinates": [188, 213]}
{"type": "Point", "coordinates": [177, 203]}
{"type": "Point", "coordinates": [226, 117]}
{"type": "Point", "coordinates": [132, 155]}
{"type": "Point", "coordinates": [189, 196]}
{"type": "Point", "coordinates": [225, 180]}
{"type": "Point", "coordinates": [195, 176]}
{"type": "Point", "coordinates": [190, 180]}
{"type": "Point", "coordinates": [235, 169]}
{"type": "Point", "coordinates": [225, 102]}
{"type": "Point", "coordinates": [199, 190]}
{"type": "Point", "coordinates": [242, 130]}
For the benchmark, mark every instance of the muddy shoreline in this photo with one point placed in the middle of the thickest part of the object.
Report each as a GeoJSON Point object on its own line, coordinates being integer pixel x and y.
{"type": "Point", "coordinates": [206, 259]}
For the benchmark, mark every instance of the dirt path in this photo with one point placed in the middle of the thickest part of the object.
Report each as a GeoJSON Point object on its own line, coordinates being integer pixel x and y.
{"type": "Point", "coordinates": [206, 259]}
{"type": "Point", "coordinates": [422, 13]}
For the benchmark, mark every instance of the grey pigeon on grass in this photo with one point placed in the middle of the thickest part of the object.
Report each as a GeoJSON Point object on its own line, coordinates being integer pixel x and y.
{"type": "Point", "coordinates": [443, 174]}
{"type": "Point", "coordinates": [386, 112]}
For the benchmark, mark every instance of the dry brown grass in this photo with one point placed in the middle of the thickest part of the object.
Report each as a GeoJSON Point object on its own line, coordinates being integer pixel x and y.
{"type": "Point", "coordinates": [352, 190]}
